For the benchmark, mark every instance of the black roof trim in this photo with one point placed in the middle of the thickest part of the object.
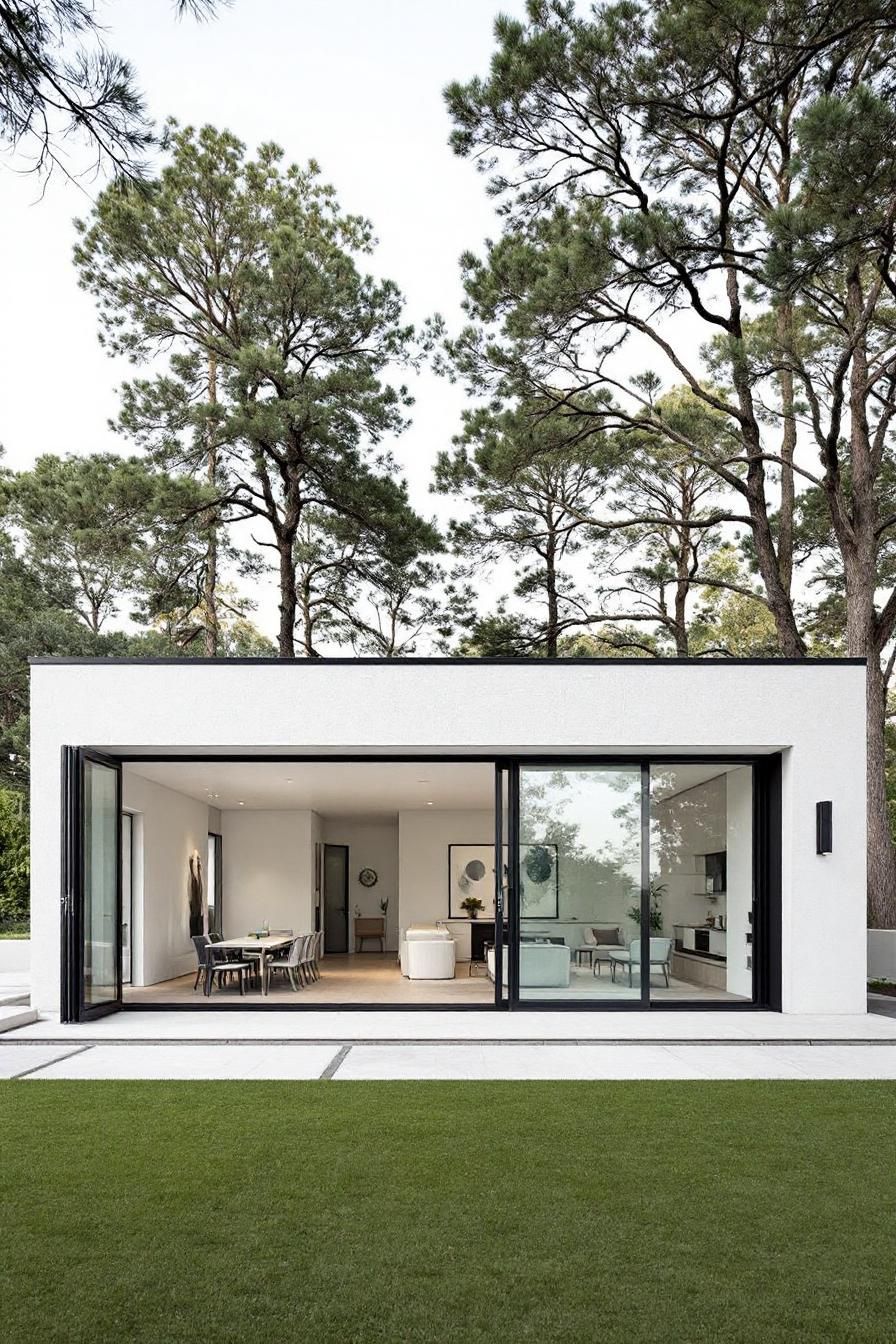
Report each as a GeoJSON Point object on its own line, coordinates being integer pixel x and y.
{"type": "Point", "coordinates": [447, 662]}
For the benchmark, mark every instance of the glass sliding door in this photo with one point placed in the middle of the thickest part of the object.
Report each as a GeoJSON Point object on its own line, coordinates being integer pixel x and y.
{"type": "Point", "coordinates": [100, 895]}
{"type": "Point", "coordinates": [701, 882]}
{"type": "Point", "coordinates": [580, 877]}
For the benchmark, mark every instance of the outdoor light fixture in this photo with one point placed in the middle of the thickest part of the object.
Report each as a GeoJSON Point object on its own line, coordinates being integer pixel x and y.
{"type": "Point", "coordinates": [823, 828]}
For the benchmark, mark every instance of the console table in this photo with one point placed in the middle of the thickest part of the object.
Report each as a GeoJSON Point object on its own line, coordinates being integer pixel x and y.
{"type": "Point", "coordinates": [370, 926]}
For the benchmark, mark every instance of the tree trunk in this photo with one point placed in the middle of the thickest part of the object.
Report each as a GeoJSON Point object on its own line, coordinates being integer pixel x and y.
{"type": "Point", "coordinates": [856, 517]}
{"type": "Point", "coordinates": [553, 605]}
{"type": "Point", "coordinates": [287, 639]}
{"type": "Point", "coordinates": [788, 448]}
{"type": "Point", "coordinates": [307, 619]}
{"type": "Point", "coordinates": [881, 851]}
{"type": "Point", "coordinates": [210, 577]}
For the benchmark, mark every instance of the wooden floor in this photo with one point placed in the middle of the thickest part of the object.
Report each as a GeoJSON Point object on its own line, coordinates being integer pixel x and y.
{"type": "Point", "coordinates": [368, 977]}
{"type": "Point", "coordinates": [371, 978]}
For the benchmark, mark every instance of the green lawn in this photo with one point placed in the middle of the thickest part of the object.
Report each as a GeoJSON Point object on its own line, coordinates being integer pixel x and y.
{"type": "Point", "coordinates": [504, 1212]}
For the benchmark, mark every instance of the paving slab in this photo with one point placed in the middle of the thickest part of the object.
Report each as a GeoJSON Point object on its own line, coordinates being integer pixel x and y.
{"type": "Point", "coordinates": [16, 1060]}
{"type": "Point", "coordinates": [200, 1062]}
{"type": "Point", "coordinates": [616, 1062]}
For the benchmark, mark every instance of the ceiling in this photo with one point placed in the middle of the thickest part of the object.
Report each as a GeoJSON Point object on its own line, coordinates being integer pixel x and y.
{"type": "Point", "coordinates": [336, 789]}
{"type": "Point", "coordinates": [362, 789]}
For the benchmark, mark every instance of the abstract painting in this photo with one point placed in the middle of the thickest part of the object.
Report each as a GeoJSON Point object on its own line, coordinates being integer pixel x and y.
{"type": "Point", "coordinates": [471, 872]}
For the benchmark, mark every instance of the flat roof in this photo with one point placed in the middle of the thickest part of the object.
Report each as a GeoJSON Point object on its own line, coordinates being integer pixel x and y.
{"type": "Point", "coordinates": [447, 662]}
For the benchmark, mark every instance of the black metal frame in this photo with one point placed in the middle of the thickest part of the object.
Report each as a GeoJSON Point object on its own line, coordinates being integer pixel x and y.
{"type": "Point", "coordinates": [766, 954]}
{"type": "Point", "coordinates": [73, 1006]}
{"type": "Point", "coordinates": [766, 874]}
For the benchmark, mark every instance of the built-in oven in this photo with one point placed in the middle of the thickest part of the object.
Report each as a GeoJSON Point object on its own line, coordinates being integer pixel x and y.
{"type": "Point", "coordinates": [701, 940]}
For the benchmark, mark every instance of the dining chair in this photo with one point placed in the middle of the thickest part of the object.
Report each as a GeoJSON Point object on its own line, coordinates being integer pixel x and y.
{"type": "Point", "coordinates": [306, 970]}
{"type": "Point", "coordinates": [317, 938]}
{"type": "Point", "coordinates": [288, 964]}
{"type": "Point", "coordinates": [217, 964]}
{"type": "Point", "coordinates": [200, 941]}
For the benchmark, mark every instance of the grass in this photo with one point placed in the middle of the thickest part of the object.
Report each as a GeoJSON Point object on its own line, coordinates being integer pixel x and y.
{"type": "Point", "coordinates": [723, 1212]}
{"type": "Point", "coordinates": [883, 986]}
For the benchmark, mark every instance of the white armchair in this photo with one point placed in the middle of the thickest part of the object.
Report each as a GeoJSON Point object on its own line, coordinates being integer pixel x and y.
{"type": "Point", "coordinates": [427, 952]}
{"type": "Point", "coordinates": [431, 959]}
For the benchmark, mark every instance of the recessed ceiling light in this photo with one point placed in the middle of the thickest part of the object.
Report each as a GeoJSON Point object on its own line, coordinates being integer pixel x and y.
{"type": "Point", "coordinates": [429, 804]}
{"type": "Point", "coordinates": [242, 804]}
{"type": "Point", "coordinates": [422, 781]}
{"type": "Point", "coordinates": [289, 781]}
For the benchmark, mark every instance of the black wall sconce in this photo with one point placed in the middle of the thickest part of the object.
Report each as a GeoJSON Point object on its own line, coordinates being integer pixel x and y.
{"type": "Point", "coordinates": [823, 828]}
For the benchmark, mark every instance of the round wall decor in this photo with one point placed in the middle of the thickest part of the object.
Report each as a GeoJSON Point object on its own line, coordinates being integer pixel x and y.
{"type": "Point", "coordinates": [367, 877]}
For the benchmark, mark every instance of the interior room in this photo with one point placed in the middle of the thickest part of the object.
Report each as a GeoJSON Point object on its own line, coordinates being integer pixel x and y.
{"type": "Point", "coordinates": [327, 883]}
{"type": "Point", "coordinates": [354, 852]}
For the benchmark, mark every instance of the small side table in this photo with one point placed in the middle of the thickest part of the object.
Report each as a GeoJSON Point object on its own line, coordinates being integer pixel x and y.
{"type": "Point", "coordinates": [370, 926]}
{"type": "Point", "coordinates": [585, 951]}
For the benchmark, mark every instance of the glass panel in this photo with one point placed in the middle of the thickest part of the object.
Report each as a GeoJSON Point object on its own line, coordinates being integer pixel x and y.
{"type": "Point", "coordinates": [701, 866]}
{"type": "Point", "coordinates": [580, 882]}
{"type": "Point", "coordinates": [100, 843]}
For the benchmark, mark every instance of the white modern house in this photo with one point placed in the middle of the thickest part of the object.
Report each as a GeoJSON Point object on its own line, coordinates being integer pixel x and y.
{"type": "Point", "coordinates": [627, 835]}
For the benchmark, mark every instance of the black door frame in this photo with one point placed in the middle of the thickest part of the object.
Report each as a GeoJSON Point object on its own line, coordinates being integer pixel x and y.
{"type": "Point", "coordinates": [73, 1006]}
{"type": "Point", "coordinates": [766, 877]}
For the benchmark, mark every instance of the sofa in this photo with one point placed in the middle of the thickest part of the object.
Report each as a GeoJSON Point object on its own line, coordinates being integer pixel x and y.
{"type": "Point", "coordinates": [542, 965]}
{"type": "Point", "coordinates": [427, 952]}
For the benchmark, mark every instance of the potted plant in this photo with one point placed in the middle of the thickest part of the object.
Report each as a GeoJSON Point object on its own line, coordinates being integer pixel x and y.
{"type": "Point", "coordinates": [472, 905]}
{"type": "Point", "coordinates": [657, 890]}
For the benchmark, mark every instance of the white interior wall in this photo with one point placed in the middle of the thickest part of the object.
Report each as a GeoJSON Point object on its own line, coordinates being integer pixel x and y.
{"type": "Point", "coordinates": [371, 844]}
{"type": "Point", "coordinates": [267, 870]}
{"type": "Point", "coordinates": [168, 827]}
{"type": "Point", "coordinates": [423, 840]}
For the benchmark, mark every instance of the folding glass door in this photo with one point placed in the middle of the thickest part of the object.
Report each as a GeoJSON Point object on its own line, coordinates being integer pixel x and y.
{"type": "Point", "coordinates": [92, 906]}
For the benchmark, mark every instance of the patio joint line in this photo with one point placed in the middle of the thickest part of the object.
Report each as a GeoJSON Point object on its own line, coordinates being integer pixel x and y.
{"type": "Point", "coordinates": [336, 1062]}
{"type": "Point", "coordinates": [26, 1073]}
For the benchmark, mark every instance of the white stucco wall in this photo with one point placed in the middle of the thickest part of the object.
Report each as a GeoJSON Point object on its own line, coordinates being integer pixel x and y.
{"type": "Point", "coordinates": [814, 712]}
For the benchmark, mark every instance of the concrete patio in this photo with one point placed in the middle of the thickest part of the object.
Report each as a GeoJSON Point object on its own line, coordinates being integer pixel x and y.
{"type": "Point", "coordinates": [444, 1060]}
{"type": "Point", "coordinates": [459, 1046]}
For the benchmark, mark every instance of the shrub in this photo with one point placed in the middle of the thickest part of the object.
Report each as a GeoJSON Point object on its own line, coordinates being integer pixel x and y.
{"type": "Point", "coordinates": [15, 864]}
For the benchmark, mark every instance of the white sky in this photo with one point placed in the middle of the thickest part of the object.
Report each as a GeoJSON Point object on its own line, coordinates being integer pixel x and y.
{"type": "Point", "coordinates": [357, 84]}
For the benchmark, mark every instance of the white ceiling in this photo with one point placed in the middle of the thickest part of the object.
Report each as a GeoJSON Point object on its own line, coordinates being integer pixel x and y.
{"type": "Point", "coordinates": [361, 789]}
{"type": "Point", "coordinates": [356, 789]}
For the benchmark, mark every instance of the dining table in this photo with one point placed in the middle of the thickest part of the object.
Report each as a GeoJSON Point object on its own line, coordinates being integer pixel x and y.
{"type": "Point", "coordinates": [258, 946]}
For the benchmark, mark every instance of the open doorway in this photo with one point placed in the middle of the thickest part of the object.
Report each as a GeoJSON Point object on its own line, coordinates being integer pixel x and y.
{"type": "Point", "coordinates": [376, 879]}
